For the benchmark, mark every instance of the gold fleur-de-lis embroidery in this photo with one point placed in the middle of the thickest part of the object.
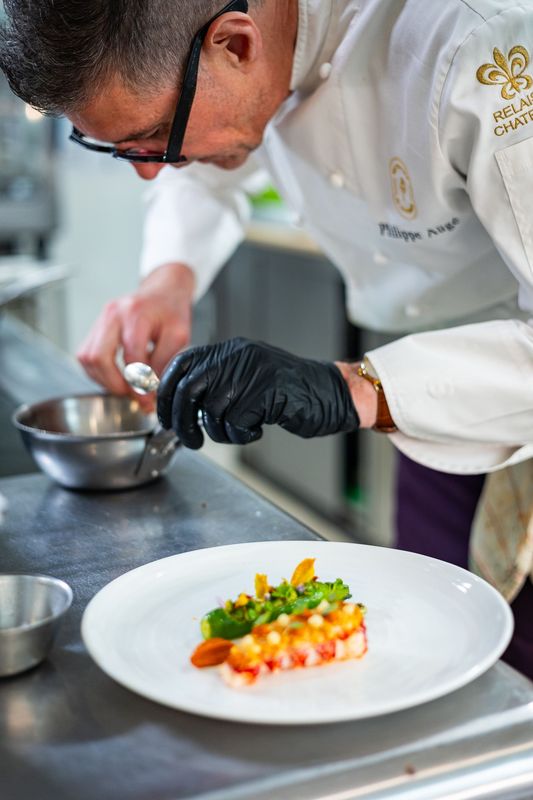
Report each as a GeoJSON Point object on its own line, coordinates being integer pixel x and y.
{"type": "Point", "coordinates": [510, 71]}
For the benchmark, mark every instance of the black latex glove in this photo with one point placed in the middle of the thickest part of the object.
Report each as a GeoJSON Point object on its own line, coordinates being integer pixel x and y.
{"type": "Point", "coordinates": [240, 385]}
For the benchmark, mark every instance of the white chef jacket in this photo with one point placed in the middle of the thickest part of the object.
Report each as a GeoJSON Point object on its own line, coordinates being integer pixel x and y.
{"type": "Point", "coordinates": [406, 150]}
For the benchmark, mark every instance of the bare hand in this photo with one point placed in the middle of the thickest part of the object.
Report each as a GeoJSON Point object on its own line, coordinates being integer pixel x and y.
{"type": "Point", "coordinates": [150, 325]}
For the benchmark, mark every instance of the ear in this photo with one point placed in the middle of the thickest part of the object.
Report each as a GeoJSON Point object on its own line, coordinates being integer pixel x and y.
{"type": "Point", "coordinates": [236, 39]}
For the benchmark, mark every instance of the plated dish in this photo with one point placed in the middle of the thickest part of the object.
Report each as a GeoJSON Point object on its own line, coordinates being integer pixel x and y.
{"type": "Point", "coordinates": [432, 628]}
{"type": "Point", "coordinates": [298, 623]}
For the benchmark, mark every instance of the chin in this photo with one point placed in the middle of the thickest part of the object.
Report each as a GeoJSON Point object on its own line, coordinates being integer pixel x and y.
{"type": "Point", "coordinates": [228, 162]}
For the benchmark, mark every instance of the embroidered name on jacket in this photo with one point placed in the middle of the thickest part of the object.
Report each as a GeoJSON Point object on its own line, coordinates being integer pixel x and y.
{"type": "Point", "coordinates": [509, 73]}
{"type": "Point", "coordinates": [388, 231]}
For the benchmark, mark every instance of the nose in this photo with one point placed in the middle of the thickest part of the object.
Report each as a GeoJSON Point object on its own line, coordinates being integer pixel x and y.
{"type": "Point", "coordinates": [147, 171]}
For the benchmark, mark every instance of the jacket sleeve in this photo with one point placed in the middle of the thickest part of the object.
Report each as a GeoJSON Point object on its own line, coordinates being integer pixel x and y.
{"type": "Point", "coordinates": [463, 397]}
{"type": "Point", "coordinates": [197, 216]}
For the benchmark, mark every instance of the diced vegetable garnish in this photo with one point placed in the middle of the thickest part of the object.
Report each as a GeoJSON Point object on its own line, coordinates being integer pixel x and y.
{"type": "Point", "coordinates": [237, 618]}
{"type": "Point", "coordinates": [305, 640]}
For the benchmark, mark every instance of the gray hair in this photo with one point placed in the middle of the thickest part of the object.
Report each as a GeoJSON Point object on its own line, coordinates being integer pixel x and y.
{"type": "Point", "coordinates": [57, 54]}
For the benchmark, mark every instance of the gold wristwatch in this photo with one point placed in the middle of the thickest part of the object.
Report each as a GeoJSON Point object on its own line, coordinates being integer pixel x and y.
{"type": "Point", "coordinates": [384, 421]}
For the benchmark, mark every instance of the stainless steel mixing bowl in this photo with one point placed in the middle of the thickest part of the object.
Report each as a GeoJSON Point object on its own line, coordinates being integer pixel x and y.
{"type": "Point", "coordinates": [95, 441]}
{"type": "Point", "coordinates": [31, 609]}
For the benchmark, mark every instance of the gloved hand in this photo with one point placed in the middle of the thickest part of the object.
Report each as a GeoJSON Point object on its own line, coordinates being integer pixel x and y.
{"type": "Point", "coordinates": [240, 385]}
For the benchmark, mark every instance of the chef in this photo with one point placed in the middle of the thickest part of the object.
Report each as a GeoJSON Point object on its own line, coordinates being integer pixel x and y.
{"type": "Point", "coordinates": [401, 134]}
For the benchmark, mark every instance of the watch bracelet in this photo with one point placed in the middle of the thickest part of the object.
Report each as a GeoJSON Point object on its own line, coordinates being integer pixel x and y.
{"type": "Point", "coordinates": [384, 421]}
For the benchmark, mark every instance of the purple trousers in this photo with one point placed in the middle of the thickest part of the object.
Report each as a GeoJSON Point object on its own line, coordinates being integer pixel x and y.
{"type": "Point", "coordinates": [433, 516]}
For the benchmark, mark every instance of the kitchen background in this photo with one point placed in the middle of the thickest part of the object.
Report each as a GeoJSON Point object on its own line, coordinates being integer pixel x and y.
{"type": "Point", "coordinates": [70, 235]}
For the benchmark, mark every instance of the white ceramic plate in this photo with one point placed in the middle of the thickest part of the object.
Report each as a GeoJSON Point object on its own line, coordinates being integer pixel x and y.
{"type": "Point", "coordinates": [432, 628]}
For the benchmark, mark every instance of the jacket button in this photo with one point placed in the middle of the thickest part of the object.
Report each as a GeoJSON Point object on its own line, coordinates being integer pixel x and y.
{"type": "Point", "coordinates": [412, 311]}
{"type": "Point", "coordinates": [438, 389]}
{"type": "Point", "coordinates": [325, 70]}
{"type": "Point", "coordinates": [337, 180]}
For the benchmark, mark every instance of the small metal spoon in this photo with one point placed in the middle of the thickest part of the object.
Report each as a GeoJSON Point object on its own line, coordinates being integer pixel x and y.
{"type": "Point", "coordinates": [143, 380]}
{"type": "Point", "coordinates": [162, 443]}
{"type": "Point", "coordinates": [141, 377]}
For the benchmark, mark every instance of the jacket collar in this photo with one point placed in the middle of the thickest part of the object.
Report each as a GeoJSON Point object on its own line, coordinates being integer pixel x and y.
{"type": "Point", "coordinates": [321, 28]}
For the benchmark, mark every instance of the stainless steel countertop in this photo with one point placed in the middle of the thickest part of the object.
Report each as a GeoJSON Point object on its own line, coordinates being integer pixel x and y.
{"type": "Point", "coordinates": [33, 369]}
{"type": "Point", "coordinates": [67, 731]}
{"type": "Point", "coordinates": [21, 275]}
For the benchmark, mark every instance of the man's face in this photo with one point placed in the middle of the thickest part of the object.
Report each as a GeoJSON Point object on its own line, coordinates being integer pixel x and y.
{"type": "Point", "coordinates": [226, 121]}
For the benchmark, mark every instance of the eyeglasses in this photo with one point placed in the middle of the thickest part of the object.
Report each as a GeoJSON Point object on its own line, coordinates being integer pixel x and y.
{"type": "Point", "coordinates": [172, 154]}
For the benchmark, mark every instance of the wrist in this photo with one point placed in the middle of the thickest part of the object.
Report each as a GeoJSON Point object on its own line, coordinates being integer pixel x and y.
{"type": "Point", "coordinates": [364, 396]}
{"type": "Point", "coordinates": [368, 397]}
{"type": "Point", "coordinates": [172, 277]}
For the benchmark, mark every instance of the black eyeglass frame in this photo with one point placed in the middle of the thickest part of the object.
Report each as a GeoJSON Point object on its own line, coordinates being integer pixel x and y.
{"type": "Point", "coordinates": [172, 154]}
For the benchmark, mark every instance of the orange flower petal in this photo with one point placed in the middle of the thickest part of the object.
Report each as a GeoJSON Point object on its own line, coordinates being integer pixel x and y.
{"type": "Point", "coordinates": [304, 572]}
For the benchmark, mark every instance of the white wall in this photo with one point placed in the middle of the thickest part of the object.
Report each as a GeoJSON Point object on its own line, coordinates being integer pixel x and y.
{"type": "Point", "coordinates": [100, 212]}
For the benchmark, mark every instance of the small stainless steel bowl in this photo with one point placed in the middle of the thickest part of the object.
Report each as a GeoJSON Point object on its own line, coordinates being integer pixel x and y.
{"type": "Point", "coordinates": [31, 608]}
{"type": "Point", "coordinates": [95, 441]}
